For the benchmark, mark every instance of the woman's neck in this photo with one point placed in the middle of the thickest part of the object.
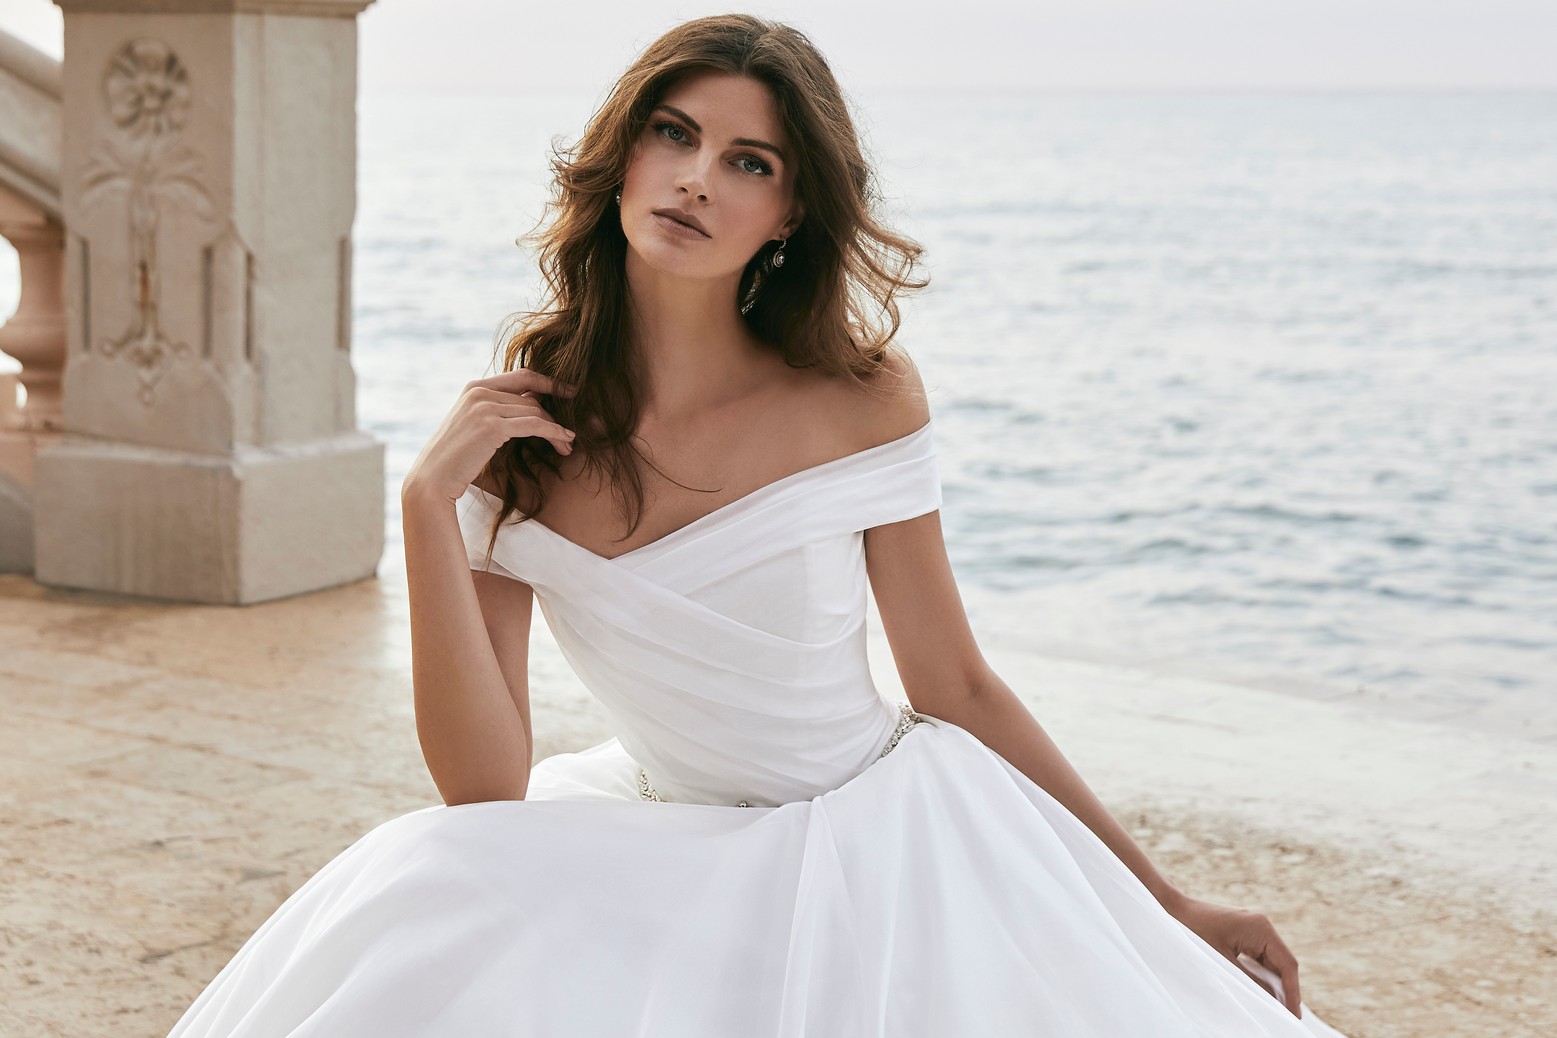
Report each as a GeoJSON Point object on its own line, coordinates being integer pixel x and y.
{"type": "Point", "coordinates": [692, 351]}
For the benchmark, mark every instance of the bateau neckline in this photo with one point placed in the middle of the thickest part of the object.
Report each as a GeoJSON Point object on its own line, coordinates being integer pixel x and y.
{"type": "Point", "coordinates": [703, 520]}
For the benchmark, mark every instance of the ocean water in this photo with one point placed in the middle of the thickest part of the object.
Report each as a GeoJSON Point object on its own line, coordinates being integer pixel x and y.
{"type": "Point", "coordinates": [1260, 387]}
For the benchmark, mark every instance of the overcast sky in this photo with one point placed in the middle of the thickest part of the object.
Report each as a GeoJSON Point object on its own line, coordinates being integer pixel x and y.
{"type": "Point", "coordinates": [510, 46]}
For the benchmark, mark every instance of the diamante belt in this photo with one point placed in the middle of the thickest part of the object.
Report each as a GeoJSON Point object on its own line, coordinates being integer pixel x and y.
{"type": "Point", "coordinates": [907, 718]}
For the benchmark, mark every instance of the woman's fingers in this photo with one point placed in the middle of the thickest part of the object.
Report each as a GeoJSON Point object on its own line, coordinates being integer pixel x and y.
{"type": "Point", "coordinates": [1279, 958]}
{"type": "Point", "coordinates": [507, 407]}
{"type": "Point", "coordinates": [530, 425]}
{"type": "Point", "coordinates": [524, 380]}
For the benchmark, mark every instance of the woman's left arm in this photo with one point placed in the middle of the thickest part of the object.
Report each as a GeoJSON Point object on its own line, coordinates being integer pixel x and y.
{"type": "Point", "coordinates": [946, 676]}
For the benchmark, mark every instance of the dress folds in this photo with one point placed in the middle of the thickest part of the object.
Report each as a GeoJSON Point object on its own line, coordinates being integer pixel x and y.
{"type": "Point", "coordinates": [931, 890]}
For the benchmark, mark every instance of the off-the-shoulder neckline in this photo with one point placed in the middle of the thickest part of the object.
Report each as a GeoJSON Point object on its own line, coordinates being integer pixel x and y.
{"type": "Point", "coordinates": [747, 499]}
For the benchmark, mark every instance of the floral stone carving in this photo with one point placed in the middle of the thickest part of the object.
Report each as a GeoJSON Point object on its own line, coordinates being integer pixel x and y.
{"type": "Point", "coordinates": [146, 90]}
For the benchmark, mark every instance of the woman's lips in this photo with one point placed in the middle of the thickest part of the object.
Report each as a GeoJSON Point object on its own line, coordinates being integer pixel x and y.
{"type": "Point", "coordinates": [677, 227]}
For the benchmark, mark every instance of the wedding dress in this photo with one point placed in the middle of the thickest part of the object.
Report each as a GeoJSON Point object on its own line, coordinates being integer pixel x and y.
{"type": "Point", "coordinates": [889, 875]}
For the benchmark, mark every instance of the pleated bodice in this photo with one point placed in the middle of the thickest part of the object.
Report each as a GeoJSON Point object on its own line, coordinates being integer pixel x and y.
{"type": "Point", "coordinates": [730, 654]}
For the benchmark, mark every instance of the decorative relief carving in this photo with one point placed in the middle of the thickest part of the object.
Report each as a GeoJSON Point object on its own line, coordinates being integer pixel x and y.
{"type": "Point", "coordinates": [146, 91]}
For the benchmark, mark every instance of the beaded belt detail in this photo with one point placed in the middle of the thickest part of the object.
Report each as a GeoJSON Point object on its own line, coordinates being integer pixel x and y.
{"type": "Point", "coordinates": [907, 718]}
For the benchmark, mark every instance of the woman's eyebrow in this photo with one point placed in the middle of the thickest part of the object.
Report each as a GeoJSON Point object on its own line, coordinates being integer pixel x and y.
{"type": "Point", "coordinates": [745, 142]}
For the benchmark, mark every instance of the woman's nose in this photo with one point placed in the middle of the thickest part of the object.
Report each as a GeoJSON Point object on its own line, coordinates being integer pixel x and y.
{"type": "Point", "coordinates": [694, 176]}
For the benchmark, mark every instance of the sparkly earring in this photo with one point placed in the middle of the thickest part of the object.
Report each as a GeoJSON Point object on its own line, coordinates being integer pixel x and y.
{"type": "Point", "coordinates": [778, 257]}
{"type": "Point", "coordinates": [618, 198]}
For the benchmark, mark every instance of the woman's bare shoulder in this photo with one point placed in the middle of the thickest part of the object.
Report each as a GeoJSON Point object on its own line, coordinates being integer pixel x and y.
{"type": "Point", "coordinates": [892, 403]}
{"type": "Point", "coordinates": [848, 415]}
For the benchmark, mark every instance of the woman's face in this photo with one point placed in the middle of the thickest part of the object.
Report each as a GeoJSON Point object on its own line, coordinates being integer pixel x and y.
{"type": "Point", "coordinates": [714, 149]}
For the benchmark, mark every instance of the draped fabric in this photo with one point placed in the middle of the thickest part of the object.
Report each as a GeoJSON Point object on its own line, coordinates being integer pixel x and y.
{"type": "Point", "coordinates": [930, 891]}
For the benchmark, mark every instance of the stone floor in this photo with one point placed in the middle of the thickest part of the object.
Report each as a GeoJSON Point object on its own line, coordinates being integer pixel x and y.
{"type": "Point", "coordinates": [170, 773]}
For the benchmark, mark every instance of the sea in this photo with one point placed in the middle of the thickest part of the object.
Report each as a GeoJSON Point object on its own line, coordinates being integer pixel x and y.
{"type": "Point", "coordinates": [1255, 387]}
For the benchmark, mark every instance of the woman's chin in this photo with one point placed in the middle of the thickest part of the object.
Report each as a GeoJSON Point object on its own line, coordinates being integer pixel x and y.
{"type": "Point", "coordinates": [667, 261]}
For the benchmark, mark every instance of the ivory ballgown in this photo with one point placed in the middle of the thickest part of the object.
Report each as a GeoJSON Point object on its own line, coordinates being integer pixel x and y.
{"type": "Point", "coordinates": [932, 891]}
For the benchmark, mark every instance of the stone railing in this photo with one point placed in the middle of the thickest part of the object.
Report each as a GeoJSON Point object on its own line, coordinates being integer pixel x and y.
{"type": "Point", "coordinates": [31, 120]}
{"type": "Point", "coordinates": [30, 124]}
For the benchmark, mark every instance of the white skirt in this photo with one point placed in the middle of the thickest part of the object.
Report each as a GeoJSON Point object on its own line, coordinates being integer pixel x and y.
{"type": "Point", "coordinates": [939, 892]}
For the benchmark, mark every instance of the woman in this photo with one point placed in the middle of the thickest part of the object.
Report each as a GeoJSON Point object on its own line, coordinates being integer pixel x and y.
{"type": "Point", "coordinates": [694, 460]}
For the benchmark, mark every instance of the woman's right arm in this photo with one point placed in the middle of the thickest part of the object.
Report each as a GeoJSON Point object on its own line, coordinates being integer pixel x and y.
{"type": "Point", "coordinates": [470, 630]}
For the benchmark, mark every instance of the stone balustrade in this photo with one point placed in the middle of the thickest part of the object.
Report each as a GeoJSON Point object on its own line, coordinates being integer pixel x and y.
{"type": "Point", "coordinates": [31, 220]}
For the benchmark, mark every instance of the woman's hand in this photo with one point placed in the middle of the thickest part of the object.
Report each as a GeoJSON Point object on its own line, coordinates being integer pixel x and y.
{"type": "Point", "coordinates": [1233, 930]}
{"type": "Point", "coordinates": [489, 413]}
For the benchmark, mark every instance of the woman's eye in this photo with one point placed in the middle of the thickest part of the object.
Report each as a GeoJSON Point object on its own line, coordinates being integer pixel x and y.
{"type": "Point", "coordinates": [666, 128]}
{"type": "Point", "coordinates": [762, 167]}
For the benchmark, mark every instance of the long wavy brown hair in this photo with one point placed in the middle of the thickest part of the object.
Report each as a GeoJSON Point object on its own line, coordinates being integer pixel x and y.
{"type": "Point", "coordinates": [832, 306]}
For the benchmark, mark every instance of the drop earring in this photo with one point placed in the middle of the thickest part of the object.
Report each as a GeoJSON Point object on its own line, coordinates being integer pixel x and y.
{"type": "Point", "coordinates": [778, 257]}
{"type": "Point", "coordinates": [618, 198]}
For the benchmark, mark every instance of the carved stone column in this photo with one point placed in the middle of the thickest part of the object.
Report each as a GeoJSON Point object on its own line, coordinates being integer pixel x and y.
{"type": "Point", "coordinates": [210, 451]}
